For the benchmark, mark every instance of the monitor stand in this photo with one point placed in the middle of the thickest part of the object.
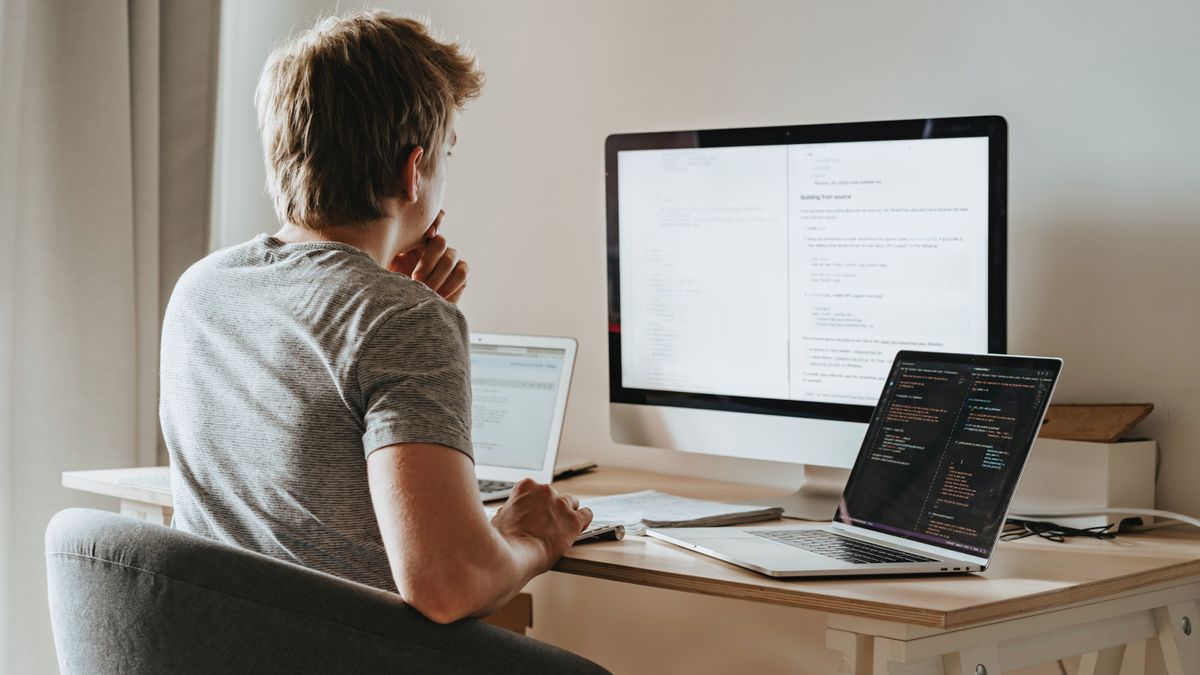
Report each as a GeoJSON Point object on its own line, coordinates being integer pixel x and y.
{"type": "Point", "coordinates": [817, 498]}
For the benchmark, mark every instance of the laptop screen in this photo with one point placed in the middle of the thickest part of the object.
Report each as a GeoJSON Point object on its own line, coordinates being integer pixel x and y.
{"type": "Point", "coordinates": [945, 448]}
{"type": "Point", "coordinates": [513, 396]}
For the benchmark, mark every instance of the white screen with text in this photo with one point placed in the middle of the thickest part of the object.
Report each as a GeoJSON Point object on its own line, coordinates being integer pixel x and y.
{"type": "Point", "coordinates": [513, 395]}
{"type": "Point", "coordinates": [798, 271]}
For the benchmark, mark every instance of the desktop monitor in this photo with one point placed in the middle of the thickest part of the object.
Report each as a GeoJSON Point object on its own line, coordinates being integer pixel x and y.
{"type": "Point", "coordinates": [761, 280]}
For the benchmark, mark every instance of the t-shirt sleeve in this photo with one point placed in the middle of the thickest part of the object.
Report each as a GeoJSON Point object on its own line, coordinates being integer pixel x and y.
{"type": "Point", "coordinates": [414, 373]}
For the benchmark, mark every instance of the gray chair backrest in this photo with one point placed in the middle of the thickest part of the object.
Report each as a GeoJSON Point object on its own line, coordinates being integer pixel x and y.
{"type": "Point", "coordinates": [129, 596]}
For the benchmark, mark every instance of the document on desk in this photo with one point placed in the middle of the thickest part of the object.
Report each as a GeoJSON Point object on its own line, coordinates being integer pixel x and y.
{"type": "Point", "coordinates": [650, 508]}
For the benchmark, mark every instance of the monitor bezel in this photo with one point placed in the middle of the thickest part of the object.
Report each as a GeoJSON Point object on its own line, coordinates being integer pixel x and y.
{"type": "Point", "coordinates": [993, 127]}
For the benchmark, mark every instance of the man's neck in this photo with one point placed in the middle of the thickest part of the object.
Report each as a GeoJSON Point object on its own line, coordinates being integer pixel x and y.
{"type": "Point", "coordinates": [378, 240]}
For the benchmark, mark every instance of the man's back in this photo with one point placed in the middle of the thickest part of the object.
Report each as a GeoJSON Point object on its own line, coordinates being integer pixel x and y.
{"type": "Point", "coordinates": [283, 366]}
{"type": "Point", "coordinates": [315, 398]}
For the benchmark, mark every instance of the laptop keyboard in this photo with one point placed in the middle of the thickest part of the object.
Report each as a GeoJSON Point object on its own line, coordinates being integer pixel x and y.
{"type": "Point", "coordinates": [494, 485]}
{"type": "Point", "coordinates": [831, 545]}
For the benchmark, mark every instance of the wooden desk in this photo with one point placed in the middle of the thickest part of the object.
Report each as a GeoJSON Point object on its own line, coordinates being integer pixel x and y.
{"type": "Point", "coordinates": [1040, 601]}
{"type": "Point", "coordinates": [145, 492]}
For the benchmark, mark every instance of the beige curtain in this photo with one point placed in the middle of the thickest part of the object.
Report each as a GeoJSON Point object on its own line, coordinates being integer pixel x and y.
{"type": "Point", "coordinates": [106, 136]}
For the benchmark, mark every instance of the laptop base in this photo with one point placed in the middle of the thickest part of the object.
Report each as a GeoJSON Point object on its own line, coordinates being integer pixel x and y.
{"type": "Point", "coordinates": [739, 546]}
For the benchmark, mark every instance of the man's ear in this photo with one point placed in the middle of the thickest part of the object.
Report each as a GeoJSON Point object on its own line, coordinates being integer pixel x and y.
{"type": "Point", "coordinates": [411, 175]}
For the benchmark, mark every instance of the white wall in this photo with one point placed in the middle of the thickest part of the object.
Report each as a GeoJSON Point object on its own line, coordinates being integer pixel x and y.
{"type": "Point", "coordinates": [1102, 104]}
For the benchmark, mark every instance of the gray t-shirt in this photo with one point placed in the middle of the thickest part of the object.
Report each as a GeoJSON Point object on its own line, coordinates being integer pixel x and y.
{"type": "Point", "coordinates": [284, 366]}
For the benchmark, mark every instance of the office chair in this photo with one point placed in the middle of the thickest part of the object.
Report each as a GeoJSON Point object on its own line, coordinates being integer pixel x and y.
{"type": "Point", "coordinates": [129, 596]}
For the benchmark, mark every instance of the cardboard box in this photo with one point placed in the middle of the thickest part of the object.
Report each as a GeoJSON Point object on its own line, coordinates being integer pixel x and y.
{"type": "Point", "coordinates": [1067, 474]}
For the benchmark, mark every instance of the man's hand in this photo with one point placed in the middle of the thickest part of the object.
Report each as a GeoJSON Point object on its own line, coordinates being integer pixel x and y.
{"type": "Point", "coordinates": [447, 560]}
{"type": "Point", "coordinates": [537, 511]}
{"type": "Point", "coordinates": [435, 264]}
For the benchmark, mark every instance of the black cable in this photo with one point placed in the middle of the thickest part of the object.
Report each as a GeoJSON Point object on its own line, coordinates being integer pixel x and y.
{"type": "Point", "coordinates": [1019, 528]}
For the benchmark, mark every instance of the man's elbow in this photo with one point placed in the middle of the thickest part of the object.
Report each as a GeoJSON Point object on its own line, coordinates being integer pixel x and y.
{"type": "Point", "coordinates": [440, 601]}
{"type": "Point", "coordinates": [437, 608]}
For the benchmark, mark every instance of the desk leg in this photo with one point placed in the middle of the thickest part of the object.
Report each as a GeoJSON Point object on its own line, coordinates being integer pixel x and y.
{"type": "Point", "coordinates": [1179, 637]}
{"type": "Point", "coordinates": [857, 651]}
{"type": "Point", "coordinates": [1104, 662]}
{"type": "Point", "coordinates": [146, 511]}
{"type": "Point", "coordinates": [516, 616]}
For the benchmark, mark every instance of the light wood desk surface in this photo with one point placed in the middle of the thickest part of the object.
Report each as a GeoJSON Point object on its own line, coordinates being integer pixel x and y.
{"type": "Point", "coordinates": [1027, 575]}
{"type": "Point", "coordinates": [147, 484]}
{"type": "Point", "coordinates": [1026, 578]}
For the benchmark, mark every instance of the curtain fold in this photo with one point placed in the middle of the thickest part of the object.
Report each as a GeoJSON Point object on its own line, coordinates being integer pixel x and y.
{"type": "Point", "coordinates": [12, 49]}
{"type": "Point", "coordinates": [145, 134]}
{"type": "Point", "coordinates": [105, 161]}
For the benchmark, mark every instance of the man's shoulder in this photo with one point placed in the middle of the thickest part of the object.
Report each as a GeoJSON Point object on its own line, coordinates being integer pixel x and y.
{"type": "Point", "coordinates": [327, 284]}
{"type": "Point", "coordinates": [361, 279]}
{"type": "Point", "coordinates": [320, 266]}
{"type": "Point", "coordinates": [363, 298]}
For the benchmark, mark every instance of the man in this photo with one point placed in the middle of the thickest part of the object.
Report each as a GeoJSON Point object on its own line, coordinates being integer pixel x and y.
{"type": "Point", "coordinates": [315, 383]}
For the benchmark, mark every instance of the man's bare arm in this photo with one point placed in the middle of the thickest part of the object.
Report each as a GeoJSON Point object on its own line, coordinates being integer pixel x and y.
{"type": "Point", "coordinates": [447, 560]}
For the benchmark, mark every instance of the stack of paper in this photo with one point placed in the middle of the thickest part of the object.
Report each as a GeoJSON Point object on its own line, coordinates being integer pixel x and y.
{"type": "Point", "coordinates": [650, 508]}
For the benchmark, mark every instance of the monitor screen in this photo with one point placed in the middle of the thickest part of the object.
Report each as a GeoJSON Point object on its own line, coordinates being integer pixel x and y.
{"type": "Point", "coordinates": [946, 446]}
{"type": "Point", "coordinates": [513, 395]}
{"type": "Point", "coordinates": [780, 270]}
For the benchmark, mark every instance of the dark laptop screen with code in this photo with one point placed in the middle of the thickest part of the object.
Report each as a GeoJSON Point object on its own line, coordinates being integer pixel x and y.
{"type": "Point", "coordinates": [946, 446]}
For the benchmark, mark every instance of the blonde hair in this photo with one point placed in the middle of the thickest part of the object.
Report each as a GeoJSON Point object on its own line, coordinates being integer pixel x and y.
{"type": "Point", "coordinates": [342, 105]}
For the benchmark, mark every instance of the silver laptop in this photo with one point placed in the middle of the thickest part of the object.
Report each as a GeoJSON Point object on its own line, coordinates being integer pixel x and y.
{"type": "Point", "coordinates": [932, 483]}
{"type": "Point", "coordinates": [519, 387]}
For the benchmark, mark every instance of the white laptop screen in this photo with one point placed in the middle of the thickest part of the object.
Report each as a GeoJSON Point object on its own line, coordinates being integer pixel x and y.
{"type": "Point", "coordinates": [513, 390]}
